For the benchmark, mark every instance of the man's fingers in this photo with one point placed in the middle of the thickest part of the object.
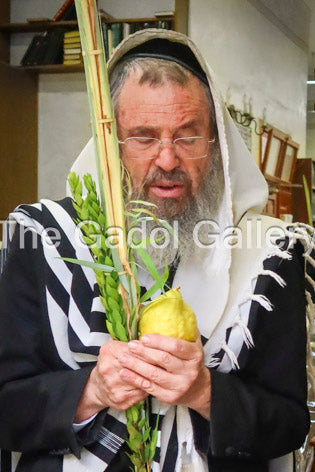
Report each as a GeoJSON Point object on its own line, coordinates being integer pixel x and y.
{"type": "Point", "coordinates": [178, 347]}
{"type": "Point", "coordinates": [165, 395]}
{"type": "Point", "coordinates": [157, 357]}
{"type": "Point", "coordinates": [148, 371]}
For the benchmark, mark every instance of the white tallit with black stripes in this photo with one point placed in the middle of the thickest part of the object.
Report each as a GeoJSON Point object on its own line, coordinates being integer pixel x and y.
{"type": "Point", "coordinates": [224, 293]}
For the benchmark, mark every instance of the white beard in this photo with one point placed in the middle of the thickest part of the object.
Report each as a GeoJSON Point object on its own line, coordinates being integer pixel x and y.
{"type": "Point", "coordinates": [202, 206]}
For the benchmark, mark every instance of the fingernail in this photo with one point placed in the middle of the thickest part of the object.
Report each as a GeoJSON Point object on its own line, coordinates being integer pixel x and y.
{"type": "Point", "coordinates": [145, 340]}
{"type": "Point", "coordinates": [124, 359]}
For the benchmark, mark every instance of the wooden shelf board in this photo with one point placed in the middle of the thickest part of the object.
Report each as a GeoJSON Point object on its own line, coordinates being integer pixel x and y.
{"type": "Point", "coordinates": [34, 26]}
{"type": "Point", "coordinates": [53, 68]}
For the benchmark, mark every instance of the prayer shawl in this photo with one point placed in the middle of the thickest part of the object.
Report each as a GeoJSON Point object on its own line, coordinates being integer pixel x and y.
{"type": "Point", "coordinates": [224, 292]}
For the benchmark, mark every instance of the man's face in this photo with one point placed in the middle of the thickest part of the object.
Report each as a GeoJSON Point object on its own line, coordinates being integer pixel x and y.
{"type": "Point", "coordinates": [165, 112]}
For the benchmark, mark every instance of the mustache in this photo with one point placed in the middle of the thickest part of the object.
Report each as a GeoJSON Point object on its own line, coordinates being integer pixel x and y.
{"type": "Point", "coordinates": [175, 175]}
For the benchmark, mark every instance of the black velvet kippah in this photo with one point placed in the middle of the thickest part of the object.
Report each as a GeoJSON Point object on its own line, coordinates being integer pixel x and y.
{"type": "Point", "coordinates": [170, 51]}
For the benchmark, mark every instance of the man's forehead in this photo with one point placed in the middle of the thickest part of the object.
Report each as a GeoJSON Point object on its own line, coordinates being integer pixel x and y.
{"type": "Point", "coordinates": [135, 86]}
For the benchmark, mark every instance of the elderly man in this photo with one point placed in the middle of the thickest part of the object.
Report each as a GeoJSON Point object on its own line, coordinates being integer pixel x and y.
{"type": "Point", "coordinates": [231, 401]}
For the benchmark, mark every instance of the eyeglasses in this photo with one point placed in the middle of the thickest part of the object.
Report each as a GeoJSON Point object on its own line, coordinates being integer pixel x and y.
{"type": "Point", "coordinates": [192, 147]}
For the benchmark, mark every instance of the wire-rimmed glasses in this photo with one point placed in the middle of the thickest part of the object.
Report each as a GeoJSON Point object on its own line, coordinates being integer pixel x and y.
{"type": "Point", "coordinates": [145, 148]}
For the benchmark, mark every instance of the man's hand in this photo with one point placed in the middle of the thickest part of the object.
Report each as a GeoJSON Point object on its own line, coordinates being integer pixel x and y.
{"type": "Point", "coordinates": [170, 369]}
{"type": "Point", "coordinates": [105, 387]}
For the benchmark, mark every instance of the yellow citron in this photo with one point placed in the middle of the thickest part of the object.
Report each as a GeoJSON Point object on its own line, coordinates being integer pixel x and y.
{"type": "Point", "coordinates": [169, 315]}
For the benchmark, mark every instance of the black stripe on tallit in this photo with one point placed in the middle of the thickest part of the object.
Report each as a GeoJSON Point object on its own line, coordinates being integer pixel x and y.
{"type": "Point", "coordinates": [172, 450]}
{"type": "Point", "coordinates": [57, 290]}
{"type": "Point", "coordinates": [76, 344]}
{"type": "Point", "coordinates": [5, 461]}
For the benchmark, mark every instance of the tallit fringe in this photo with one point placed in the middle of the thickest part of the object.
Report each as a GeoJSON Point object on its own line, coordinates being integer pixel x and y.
{"type": "Point", "coordinates": [310, 280]}
{"type": "Point", "coordinates": [274, 275]}
{"type": "Point", "coordinates": [304, 233]}
{"type": "Point", "coordinates": [277, 252]}
{"type": "Point", "coordinates": [213, 362]}
{"type": "Point", "coordinates": [309, 259]}
{"type": "Point", "coordinates": [247, 336]}
{"type": "Point", "coordinates": [231, 356]}
{"type": "Point", "coordinates": [262, 300]}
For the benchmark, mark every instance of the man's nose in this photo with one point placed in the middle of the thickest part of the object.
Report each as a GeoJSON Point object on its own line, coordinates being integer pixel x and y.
{"type": "Point", "coordinates": [167, 159]}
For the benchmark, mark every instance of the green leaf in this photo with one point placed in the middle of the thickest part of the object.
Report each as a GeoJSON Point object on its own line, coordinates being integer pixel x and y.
{"type": "Point", "coordinates": [146, 452]}
{"type": "Point", "coordinates": [116, 316]}
{"type": "Point", "coordinates": [153, 443]}
{"type": "Point", "coordinates": [121, 331]}
{"type": "Point", "coordinates": [112, 303]}
{"type": "Point", "coordinates": [146, 435]}
{"type": "Point", "coordinates": [101, 219]}
{"type": "Point", "coordinates": [135, 414]}
{"type": "Point", "coordinates": [110, 329]}
{"type": "Point", "coordinates": [108, 261]}
{"type": "Point", "coordinates": [90, 265]}
{"type": "Point", "coordinates": [147, 212]}
{"type": "Point", "coordinates": [160, 280]}
{"type": "Point", "coordinates": [143, 202]}
{"type": "Point", "coordinates": [111, 282]}
{"type": "Point", "coordinates": [103, 300]}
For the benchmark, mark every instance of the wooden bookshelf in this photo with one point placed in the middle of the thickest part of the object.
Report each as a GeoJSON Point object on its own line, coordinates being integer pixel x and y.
{"type": "Point", "coordinates": [7, 29]}
{"type": "Point", "coordinates": [38, 26]}
{"type": "Point", "coordinates": [53, 68]}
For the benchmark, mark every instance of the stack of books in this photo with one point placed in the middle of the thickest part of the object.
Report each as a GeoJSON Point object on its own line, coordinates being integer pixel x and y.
{"type": "Point", "coordinates": [72, 50]}
{"type": "Point", "coordinates": [47, 48]}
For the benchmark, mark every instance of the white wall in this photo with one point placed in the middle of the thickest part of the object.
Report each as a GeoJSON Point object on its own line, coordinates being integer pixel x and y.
{"type": "Point", "coordinates": [252, 57]}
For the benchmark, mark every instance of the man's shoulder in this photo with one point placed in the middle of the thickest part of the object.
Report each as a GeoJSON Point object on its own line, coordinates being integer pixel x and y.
{"type": "Point", "coordinates": [45, 214]}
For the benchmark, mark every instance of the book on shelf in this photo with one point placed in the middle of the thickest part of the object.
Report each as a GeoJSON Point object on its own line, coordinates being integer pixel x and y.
{"type": "Point", "coordinates": [126, 30]}
{"type": "Point", "coordinates": [72, 34]}
{"type": "Point", "coordinates": [114, 33]}
{"type": "Point", "coordinates": [110, 41]}
{"type": "Point", "coordinates": [71, 41]}
{"type": "Point", "coordinates": [165, 24]}
{"type": "Point", "coordinates": [72, 51]}
{"type": "Point", "coordinates": [63, 10]}
{"type": "Point", "coordinates": [30, 51]}
{"type": "Point", "coordinates": [72, 56]}
{"type": "Point", "coordinates": [68, 62]}
{"type": "Point", "coordinates": [117, 33]}
{"type": "Point", "coordinates": [35, 52]}
{"type": "Point", "coordinates": [53, 53]}
{"type": "Point", "coordinates": [45, 48]}
{"type": "Point", "coordinates": [105, 27]}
